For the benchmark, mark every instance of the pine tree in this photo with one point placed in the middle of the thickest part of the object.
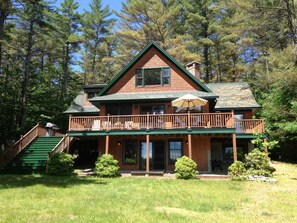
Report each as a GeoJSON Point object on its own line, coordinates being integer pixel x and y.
{"type": "Point", "coordinates": [96, 26]}
{"type": "Point", "coordinates": [143, 21]}
{"type": "Point", "coordinates": [67, 26]}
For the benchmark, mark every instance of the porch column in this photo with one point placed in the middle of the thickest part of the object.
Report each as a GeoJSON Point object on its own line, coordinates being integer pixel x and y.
{"type": "Point", "coordinates": [106, 144]}
{"type": "Point", "coordinates": [147, 153]}
{"type": "Point", "coordinates": [190, 145]}
{"type": "Point", "coordinates": [265, 146]}
{"type": "Point", "coordinates": [234, 147]}
{"type": "Point", "coordinates": [67, 144]}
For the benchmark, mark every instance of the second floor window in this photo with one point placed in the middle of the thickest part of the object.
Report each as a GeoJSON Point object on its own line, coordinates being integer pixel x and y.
{"type": "Point", "coordinates": [152, 76]}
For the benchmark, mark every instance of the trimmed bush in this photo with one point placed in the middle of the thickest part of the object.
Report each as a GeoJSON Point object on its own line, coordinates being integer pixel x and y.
{"type": "Point", "coordinates": [106, 166]}
{"type": "Point", "coordinates": [60, 164]}
{"type": "Point", "coordinates": [257, 163]}
{"type": "Point", "coordinates": [185, 168]}
{"type": "Point", "coordinates": [237, 171]}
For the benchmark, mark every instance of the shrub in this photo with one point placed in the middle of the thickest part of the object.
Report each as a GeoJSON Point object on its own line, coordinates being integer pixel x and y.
{"type": "Point", "coordinates": [237, 171]}
{"type": "Point", "coordinates": [185, 168]}
{"type": "Point", "coordinates": [60, 164]}
{"type": "Point", "coordinates": [257, 163]}
{"type": "Point", "coordinates": [106, 166]}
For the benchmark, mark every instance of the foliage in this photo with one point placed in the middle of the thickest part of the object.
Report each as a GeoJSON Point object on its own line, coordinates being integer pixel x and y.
{"type": "Point", "coordinates": [260, 144]}
{"type": "Point", "coordinates": [48, 50]}
{"type": "Point", "coordinates": [98, 63]}
{"type": "Point", "coordinates": [237, 171]}
{"type": "Point", "coordinates": [257, 163]}
{"type": "Point", "coordinates": [106, 166]}
{"type": "Point", "coordinates": [185, 168]}
{"type": "Point", "coordinates": [60, 164]}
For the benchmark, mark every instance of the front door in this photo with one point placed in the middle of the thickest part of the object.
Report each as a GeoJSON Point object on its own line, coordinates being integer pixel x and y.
{"type": "Point", "coordinates": [157, 155]}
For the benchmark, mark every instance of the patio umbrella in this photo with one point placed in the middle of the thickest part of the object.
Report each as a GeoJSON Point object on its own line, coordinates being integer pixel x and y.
{"type": "Point", "coordinates": [188, 101]}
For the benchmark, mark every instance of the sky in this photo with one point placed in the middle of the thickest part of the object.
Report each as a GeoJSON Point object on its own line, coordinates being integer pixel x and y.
{"type": "Point", "coordinates": [84, 4]}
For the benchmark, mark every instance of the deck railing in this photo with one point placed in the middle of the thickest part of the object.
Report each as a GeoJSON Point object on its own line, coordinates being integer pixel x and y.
{"type": "Point", "coordinates": [22, 143]}
{"type": "Point", "coordinates": [149, 121]}
{"type": "Point", "coordinates": [249, 125]}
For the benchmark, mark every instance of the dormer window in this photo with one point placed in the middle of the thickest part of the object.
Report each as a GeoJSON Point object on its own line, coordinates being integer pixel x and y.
{"type": "Point", "coordinates": [152, 77]}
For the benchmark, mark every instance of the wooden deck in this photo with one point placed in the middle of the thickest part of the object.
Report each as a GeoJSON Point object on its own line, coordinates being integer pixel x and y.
{"type": "Point", "coordinates": [165, 121]}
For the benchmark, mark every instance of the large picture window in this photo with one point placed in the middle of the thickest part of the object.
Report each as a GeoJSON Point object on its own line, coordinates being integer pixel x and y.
{"type": "Point", "coordinates": [129, 154]}
{"type": "Point", "coordinates": [175, 150]}
{"type": "Point", "coordinates": [152, 76]}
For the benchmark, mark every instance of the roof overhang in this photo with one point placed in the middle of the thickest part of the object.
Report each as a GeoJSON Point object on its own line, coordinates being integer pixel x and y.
{"type": "Point", "coordinates": [150, 96]}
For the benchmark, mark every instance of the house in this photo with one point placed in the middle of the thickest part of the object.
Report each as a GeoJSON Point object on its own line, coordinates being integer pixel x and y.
{"type": "Point", "coordinates": [133, 119]}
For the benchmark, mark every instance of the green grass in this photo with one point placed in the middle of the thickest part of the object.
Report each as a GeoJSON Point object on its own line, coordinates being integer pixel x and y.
{"type": "Point", "coordinates": [73, 199]}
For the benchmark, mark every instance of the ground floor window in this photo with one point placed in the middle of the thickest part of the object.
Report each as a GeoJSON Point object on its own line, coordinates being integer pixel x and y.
{"type": "Point", "coordinates": [175, 150]}
{"type": "Point", "coordinates": [129, 155]}
{"type": "Point", "coordinates": [228, 153]}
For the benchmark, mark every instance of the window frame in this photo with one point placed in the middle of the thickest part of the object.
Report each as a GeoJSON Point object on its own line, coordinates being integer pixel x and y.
{"type": "Point", "coordinates": [124, 152]}
{"type": "Point", "coordinates": [181, 149]}
{"type": "Point", "coordinates": [163, 76]}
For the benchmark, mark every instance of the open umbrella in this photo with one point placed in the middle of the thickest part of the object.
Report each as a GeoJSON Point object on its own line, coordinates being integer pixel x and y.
{"type": "Point", "coordinates": [188, 101]}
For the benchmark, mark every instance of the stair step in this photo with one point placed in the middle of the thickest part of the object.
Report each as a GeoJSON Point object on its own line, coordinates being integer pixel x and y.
{"type": "Point", "coordinates": [33, 158]}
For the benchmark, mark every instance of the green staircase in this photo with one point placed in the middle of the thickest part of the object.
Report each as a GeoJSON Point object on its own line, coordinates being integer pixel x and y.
{"type": "Point", "coordinates": [33, 159]}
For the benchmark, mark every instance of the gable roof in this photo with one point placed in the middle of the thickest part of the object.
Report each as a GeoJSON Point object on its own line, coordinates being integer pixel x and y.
{"type": "Point", "coordinates": [234, 96]}
{"type": "Point", "coordinates": [149, 46]}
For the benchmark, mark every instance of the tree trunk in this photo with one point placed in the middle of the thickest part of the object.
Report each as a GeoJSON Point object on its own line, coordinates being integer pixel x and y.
{"type": "Point", "coordinates": [291, 17]}
{"type": "Point", "coordinates": [26, 76]}
{"type": "Point", "coordinates": [206, 62]}
{"type": "Point", "coordinates": [219, 64]}
{"type": "Point", "coordinates": [4, 12]}
{"type": "Point", "coordinates": [65, 73]}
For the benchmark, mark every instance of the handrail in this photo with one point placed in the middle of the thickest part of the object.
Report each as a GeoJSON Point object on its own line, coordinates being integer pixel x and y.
{"type": "Point", "coordinates": [60, 146]}
{"type": "Point", "coordinates": [22, 143]}
{"type": "Point", "coordinates": [249, 125]}
{"type": "Point", "coordinates": [63, 144]}
{"type": "Point", "coordinates": [151, 121]}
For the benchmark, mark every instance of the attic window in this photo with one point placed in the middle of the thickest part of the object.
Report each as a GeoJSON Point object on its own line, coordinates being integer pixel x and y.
{"type": "Point", "coordinates": [152, 76]}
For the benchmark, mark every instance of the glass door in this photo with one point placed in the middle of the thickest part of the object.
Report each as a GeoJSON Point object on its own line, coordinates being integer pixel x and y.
{"type": "Point", "coordinates": [143, 155]}
{"type": "Point", "coordinates": [156, 153]}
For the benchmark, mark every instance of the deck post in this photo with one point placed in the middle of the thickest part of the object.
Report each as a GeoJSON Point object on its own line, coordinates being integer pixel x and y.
{"type": "Point", "coordinates": [147, 154]}
{"type": "Point", "coordinates": [147, 120]}
{"type": "Point", "coordinates": [189, 120]}
{"type": "Point", "coordinates": [106, 144]}
{"type": "Point", "coordinates": [190, 145]}
{"type": "Point", "coordinates": [265, 146]}
{"type": "Point", "coordinates": [67, 144]}
{"type": "Point", "coordinates": [69, 122]}
{"type": "Point", "coordinates": [234, 147]}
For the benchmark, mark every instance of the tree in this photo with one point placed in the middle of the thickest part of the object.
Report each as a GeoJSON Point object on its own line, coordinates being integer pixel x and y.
{"type": "Point", "coordinates": [96, 27]}
{"type": "Point", "coordinates": [143, 21]}
{"type": "Point", "coordinates": [67, 26]}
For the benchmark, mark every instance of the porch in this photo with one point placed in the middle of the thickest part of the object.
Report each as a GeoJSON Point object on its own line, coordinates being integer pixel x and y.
{"type": "Point", "coordinates": [165, 122]}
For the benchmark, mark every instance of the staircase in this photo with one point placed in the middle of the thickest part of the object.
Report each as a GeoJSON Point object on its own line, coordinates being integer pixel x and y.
{"type": "Point", "coordinates": [33, 158]}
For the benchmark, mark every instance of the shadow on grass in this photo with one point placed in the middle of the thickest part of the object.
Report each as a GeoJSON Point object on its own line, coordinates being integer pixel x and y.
{"type": "Point", "coordinates": [15, 181]}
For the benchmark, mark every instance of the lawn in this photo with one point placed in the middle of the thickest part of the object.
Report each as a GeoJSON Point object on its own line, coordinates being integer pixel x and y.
{"type": "Point", "coordinates": [73, 199]}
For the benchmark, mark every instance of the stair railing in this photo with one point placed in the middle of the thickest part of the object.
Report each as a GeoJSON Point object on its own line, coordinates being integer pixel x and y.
{"type": "Point", "coordinates": [21, 144]}
{"type": "Point", "coordinates": [61, 146]}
